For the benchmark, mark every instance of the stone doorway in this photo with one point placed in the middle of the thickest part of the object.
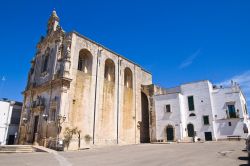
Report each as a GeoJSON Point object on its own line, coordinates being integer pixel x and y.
{"type": "Point", "coordinates": [144, 127]}
{"type": "Point", "coordinates": [170, 133]}
{"type": "Point", "coordinates": [36, 120]}
{"type": "Point", "coordinates": [190, 128]}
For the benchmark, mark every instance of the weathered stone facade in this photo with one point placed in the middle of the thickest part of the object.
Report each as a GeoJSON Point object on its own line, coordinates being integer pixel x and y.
{"type": "Point", "coordinates": [96, 90]}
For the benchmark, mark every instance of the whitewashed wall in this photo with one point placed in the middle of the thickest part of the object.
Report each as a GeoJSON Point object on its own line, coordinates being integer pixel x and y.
{"type": "Point", "coordinates": [208, 101]}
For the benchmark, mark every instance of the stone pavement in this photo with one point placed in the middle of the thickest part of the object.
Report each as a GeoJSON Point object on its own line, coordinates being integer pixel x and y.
{"type": "Point", "coordinates": [198, 154]}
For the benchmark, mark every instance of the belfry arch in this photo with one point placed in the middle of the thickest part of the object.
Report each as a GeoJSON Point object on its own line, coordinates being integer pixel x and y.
{"type": "Point", "coordinates": [109, 71]}
{"type": "Point", "coordinates": [85, 61]}
{"type": "Point", "coordinates": [83, 81]}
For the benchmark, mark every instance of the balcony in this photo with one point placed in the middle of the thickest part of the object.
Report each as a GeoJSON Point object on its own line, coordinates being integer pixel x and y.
{"type": "Point", "coordinates": [38, 104]}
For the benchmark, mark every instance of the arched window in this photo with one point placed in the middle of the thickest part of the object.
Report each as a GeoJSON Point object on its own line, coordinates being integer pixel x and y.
{"type": "Point", "coordinates": [109, 73]}
{"type": "Point", "coordinates": [128, 78]}
{"type": "Point", "coordinates": [45, 60]}
{"type": "Point", "coordinates": [192, 114]}
{"type": "Point", "coordinates": [85, 61]}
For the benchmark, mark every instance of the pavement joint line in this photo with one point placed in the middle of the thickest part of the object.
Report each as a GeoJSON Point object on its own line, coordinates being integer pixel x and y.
{"type": "Point", "coordinates": [62, 160]}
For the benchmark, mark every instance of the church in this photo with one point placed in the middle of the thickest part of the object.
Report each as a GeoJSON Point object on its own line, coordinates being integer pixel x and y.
{"type": "Point", "coordinates": [75, 82]}
{"type": "Point", "coordinates": [80, 93]}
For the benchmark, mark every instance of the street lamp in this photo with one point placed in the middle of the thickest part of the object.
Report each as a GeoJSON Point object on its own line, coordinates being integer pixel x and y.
{"type": "Point", "coordinates": [45, 117]}
{"type": "Point", "coordinates": [60, 120]}
{"type": "Point", "coordinates": [25, 120]}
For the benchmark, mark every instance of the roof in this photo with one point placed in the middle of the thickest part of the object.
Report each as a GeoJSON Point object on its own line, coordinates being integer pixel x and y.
{"type": "Point", "coordinates": [8, 101]}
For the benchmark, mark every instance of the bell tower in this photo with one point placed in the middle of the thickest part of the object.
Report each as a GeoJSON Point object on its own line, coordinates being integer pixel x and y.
{"type": "Point", "coordinates": [53, 22]}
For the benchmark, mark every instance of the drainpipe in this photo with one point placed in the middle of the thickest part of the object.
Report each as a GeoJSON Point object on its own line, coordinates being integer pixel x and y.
{"type": "Point", "coordinates": [96, 79]}
{"type": "Point", "coordinates": [118, 97]}
{"type": "Point", "coordinates": [135, 100]}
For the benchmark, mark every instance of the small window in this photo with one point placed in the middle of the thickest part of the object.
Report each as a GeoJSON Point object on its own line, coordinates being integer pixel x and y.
{"type": "Point", "coordinates": [45, 63]}
{"type": "Point", "coordinates": [229, 124]}
{"type": "Point", "coordinates": [80, 63]}
{"type": "Point", "coordinates": [167, 108]}
{"type": "Point", "coordinates": [191, 103]}
{"type": "Point", "coordinates": [245, 108]}
{"type": "Point", "coordinates": [206, 120]}
{"type": "Point", "coordinates": [192, 114]}
{"type": "Point", "coordinates": [231, 111]}
{"type": "Point", "coordinates": [15, 117]}
{"type": "Point", "coordinates": [53, 115]}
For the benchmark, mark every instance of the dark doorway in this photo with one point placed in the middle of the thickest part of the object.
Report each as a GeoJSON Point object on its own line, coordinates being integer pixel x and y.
{"type": "Point", "coordinates": [144, 127]}
{"type": "Point", "coordinates": [11, 140]}
{"type": "Point", "coordinates": [208, 136]}
{"type": "Point", "coordinates": [170, 133]}
{"type": "Point", "coordinates": [35, 127]}
{"type": "Point", "coordinates": [190, 128]}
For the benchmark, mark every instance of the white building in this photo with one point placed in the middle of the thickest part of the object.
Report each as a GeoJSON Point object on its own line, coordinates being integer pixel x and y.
{"type": "Point", "coordinates": [200, 111]}
{"type": "Point", "coordinates": [10, 112]}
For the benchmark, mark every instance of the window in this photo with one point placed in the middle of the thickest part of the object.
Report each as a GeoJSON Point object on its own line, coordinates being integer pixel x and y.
{"type": "Point", "coordinates": [167, 108]}
{"type": "Point", "coordinates": [80, 63]}
{"type": "Point", "coordinates": [53, 115]}
{"type": "Point", "coordinates": [245, 108]}
{"type": "Point", "coordinates": [231, 111]}
{"type": "Point", "coordinates": [191, 103]}
{"type": "Point", "coordinates": [85, 61]}
{"type": "Point", "coordinates": [15, 117]}
{"type": "Point", "coordinates": [109, 72]}
{"type": "Point", "coordinates": [192, 114]}
{"type": "Point", "coordinates": [229, 124]}
{"type": "Point", "coordinates": [206, 120]}
{"type": "Point", "coordinates": [128, 78]}
{"type": "Point", "coordinates": [45, 63]}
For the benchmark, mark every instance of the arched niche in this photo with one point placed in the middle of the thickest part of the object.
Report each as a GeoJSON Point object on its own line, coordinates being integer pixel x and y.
{"type": "Point", "coordinates": [109, 72]}
{"type": "Point", "coordinates": [85, 61]}
{"type": "Point", "coordinates": [46, 60]}
{"type": "Point", "coordinates": [128, 78]}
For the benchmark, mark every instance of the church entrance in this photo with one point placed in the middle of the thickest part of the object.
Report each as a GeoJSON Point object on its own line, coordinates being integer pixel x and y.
{"type": "Point", "coordinates": [170, 133]}
{"type": "Point", "coordinates": [190, 128]}
{"type": "Point", "coordinates": [144, 127]}
{"type": "Point", "coordinates": [35, 127]}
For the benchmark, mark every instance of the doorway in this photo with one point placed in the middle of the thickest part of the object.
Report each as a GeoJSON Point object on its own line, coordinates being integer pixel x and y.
{"type": "Point", "coordinates": [208, 136]}
{"type": "Point", "coordinates": [144, 127]}
{"type": "Point", "coordinates": [11, 140]}
{"type": "Point", "coordinates": [190, 128]}
{"type": "Point", "coordinates": [35, 127]}
{"type": "Point", "coordinates": [170, 133]}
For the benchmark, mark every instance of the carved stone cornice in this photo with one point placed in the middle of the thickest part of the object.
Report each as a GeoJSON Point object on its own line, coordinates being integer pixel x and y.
{"type": "Point", "coordinates": [59, 82]}
{"type": "Point", "coordinates": [56, 37]}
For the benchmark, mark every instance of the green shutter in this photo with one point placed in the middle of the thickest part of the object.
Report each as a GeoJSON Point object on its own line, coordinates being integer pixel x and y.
{"type": "Point", "coordinates": [206, 120]}
{"type": "Point", "coordinates": [191, 103]}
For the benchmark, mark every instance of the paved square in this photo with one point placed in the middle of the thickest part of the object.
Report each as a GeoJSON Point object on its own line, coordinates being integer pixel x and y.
{"type": "Point", "coordinates": [199, 154]}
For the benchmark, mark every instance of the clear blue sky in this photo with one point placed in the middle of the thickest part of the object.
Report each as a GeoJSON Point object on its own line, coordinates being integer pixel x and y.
{"type": "Point", "coordinates": [177, 40]}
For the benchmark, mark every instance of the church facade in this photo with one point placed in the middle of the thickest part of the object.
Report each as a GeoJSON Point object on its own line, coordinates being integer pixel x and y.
{"type": "Point", "coordinates": [75, 82]}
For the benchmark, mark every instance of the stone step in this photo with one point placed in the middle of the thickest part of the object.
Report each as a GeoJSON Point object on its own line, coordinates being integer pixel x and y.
{"type": "Point", "coordinates": [16, 149]}
{"type": "Point", "coordinates": [187, 140]}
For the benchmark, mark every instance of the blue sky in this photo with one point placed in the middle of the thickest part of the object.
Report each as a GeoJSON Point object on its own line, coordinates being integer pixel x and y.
{"type": "Point", "coordinates": [177, 40]}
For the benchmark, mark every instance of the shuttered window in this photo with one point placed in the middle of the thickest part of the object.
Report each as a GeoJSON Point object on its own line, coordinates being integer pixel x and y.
{"type": "Point", "coordinates": [191, 103]}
